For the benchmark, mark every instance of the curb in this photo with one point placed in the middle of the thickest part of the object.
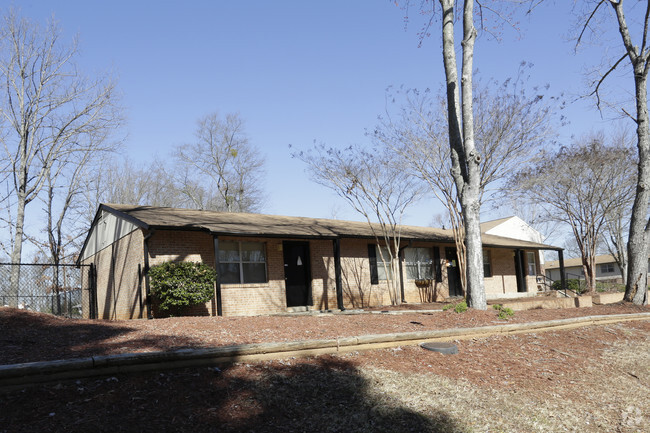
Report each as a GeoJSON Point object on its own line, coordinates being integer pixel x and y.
{"type": "Point", "coordinates": [17, 375]}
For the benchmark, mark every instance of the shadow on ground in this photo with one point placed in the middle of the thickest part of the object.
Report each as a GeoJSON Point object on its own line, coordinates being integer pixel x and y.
{"type": "Point", "coordinates": [23, 333]}
{"type": "Point", "coordinates": [317, 395]}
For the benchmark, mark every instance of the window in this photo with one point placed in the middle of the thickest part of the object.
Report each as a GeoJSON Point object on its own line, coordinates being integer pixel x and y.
{"type": "Point", "coordinates": [419, 264]}
{"type": "Point", "coordinates": [378, 269]}
{"type": "Point", "coordinates": [487, 264]}
{"type": "Point", "coordinates": [242, 262]}
{"type": "Point", "coordinates": [383, 264]}
{"type": "Point", "coordinates": [530, 260]}
{"type": "Point", "coordinates": [607, 268]}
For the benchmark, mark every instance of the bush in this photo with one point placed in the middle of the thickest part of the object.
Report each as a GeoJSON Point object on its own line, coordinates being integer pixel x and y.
{"type": "Point", "coordinates": [572, 284]}
{"type": "Point", "coordinates": [178, 285]}
{"type": "Point", "coordinates": [460, 307]}
{"type": "Point", "coordinates": [505, 313]}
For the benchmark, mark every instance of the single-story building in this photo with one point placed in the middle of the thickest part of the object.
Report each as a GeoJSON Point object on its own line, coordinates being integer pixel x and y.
{"type": "Point", "coordinates": [268, 264]}
{"type": "Point", "coordinates": [606, 269]}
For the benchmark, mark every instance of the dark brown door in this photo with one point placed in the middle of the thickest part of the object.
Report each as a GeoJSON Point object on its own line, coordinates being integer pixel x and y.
{"type": "Point", "coordinates": [297, 274]}
{"type": "Point", "coordinates": [453, 272]}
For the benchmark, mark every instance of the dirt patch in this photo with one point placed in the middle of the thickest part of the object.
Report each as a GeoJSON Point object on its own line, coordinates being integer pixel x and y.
{"type": "Point", "coordinates": [593, 379]}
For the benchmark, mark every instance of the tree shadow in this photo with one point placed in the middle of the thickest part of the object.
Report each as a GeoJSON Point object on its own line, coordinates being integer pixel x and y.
{"type": "Point", "coordinates": [31, 337]}
{"type": "Point", "coordinates": [317, 395]}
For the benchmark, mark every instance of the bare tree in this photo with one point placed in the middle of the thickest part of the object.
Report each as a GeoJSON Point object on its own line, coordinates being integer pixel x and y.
{"type": "Point", "coordinates": [122, 181]}
{"type": "Point", "coordinates": [221, 170]}
{"type": "Point", "coordinates": [582, 186]}
{"type": "Point", "coordinates": [635, 52]}
{"type": "Point", "coordinates": [377, 187]}
{"type": "Point", "coordinates": [510, 128]}
{"type": "Point", "coordinates": [616, 228]}
{"type": "Point", "coordinates": [48, 112]}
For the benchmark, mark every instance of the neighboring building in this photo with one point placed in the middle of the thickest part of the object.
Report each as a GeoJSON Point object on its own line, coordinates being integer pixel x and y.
{"type": "Point", "coordinates": [606, 269]}
{"type": "Point", "coordinates": [267, 264]}
{"type": "Point", "coordinates": [515, 228]}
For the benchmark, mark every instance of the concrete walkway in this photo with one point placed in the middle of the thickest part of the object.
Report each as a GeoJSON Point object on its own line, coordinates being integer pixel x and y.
{"type": "Point", "coordinates": [19, 375]}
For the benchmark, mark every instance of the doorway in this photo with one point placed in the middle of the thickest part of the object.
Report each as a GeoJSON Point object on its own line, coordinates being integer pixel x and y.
{"type": "Point", "coordinates": [453, 272]}
{"type": "Point", "coordinates": [297, 273]}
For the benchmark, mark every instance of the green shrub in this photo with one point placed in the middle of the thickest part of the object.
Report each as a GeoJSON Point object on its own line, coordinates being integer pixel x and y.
{"type": "Point", "coordinates": [178, 285]}
{"type": "Point", "coordinates": [505, 313]}
{"type": "Point", "coordinates": [571, 284]}
{"type": "Point", "coordinates": [459, 307]}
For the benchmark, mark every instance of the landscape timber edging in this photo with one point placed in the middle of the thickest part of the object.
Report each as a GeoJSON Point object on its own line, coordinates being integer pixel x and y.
{"type": "Point", "coordinates": [16, 375]}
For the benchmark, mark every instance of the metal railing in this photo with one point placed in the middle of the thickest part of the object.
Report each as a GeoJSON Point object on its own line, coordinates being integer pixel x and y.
{"type": "Point", "coordinates": [550, 284]}
{"type": "Point", "coordinates": [63, 290]}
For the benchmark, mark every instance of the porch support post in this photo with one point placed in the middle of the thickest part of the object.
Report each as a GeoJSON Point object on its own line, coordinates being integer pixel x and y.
{"type": "Point", "coordinates": [560, 256]}
{"type": "Point", "coordinates": [337, 274]}
{"type": "Point", "coordinates": [218, 280]}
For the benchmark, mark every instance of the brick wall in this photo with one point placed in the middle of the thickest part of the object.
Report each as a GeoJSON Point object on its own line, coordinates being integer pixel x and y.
{"type": "Point", "coordinates": [504, 280]}
{"type": "Point", "coordinates": [120, 294]}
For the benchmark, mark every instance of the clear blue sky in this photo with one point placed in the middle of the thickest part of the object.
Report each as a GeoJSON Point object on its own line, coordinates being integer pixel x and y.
{"type": "Point", "coordinates": [296, 71]}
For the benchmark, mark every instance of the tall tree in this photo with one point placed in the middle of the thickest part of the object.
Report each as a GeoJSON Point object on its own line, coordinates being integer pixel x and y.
{"type": "Point", "coordinates": [582, 186]}
{"type": "Point", "coordinates": [221, 169]}
{"type": "Point", "coordinates": [465, 158]}
{"type": "Point", "coordinates": [48, 111]}
{"type": "Point", "coordinates": [511, 127]}
{"type": "Point", "coordinates": [634, 54]}
{"type": "Point", "coordinates": [377, 187]}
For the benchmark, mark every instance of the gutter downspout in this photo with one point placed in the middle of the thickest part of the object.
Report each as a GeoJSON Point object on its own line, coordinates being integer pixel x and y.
{"type": "Point", "coordinates": [146, 272]}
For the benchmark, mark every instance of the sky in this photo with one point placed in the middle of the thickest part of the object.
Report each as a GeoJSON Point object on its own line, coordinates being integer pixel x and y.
{"type": "Point", "coordinates": [297, 72]}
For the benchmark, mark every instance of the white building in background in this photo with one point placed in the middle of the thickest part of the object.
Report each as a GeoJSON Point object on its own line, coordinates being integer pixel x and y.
{"type": "Point", "coordinates": [515, 228]}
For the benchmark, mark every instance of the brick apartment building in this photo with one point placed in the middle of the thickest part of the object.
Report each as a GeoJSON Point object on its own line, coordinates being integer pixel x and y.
{"type": "Point", "coordinates": [268, 264]}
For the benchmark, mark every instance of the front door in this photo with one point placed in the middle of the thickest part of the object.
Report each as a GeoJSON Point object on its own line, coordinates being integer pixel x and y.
{"type": "Point", "coordinates": [453, 273]}
{"type": "Point", "coordinates": [297, 275]}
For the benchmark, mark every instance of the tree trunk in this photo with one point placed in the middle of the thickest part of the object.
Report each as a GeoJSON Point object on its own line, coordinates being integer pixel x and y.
{"type": "Point", "coordinates": [464, 158]}
{"type": "Point", "coordinates": [17, 252]}
{"type": "Point", "coordinates": [636, 289]}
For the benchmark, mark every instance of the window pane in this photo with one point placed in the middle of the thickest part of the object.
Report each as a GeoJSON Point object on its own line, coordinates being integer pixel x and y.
{"type": "Point", "coordinates": [229, 273]}
{"type": "Point", "coordinates": [426, 270]}
{"type": "Point", "coordinates": [253, 252]}
{"type": "Point", "coordinates": [383, 271]}
{"type": "Point", "coordinates": [411, 255]}
{"type": "Point", "coordinates": [254, 273]}
{"type": "Point", "coordinates": [228, 251]}
{"type": "Point", "coordinates": [532, 269]}
{"type": "Point", "coordinates": [412, 271]}
{"type": "Point", "coordinates": [424, 254]}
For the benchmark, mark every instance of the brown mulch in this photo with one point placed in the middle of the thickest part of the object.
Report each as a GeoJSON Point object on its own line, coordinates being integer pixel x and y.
{"type": "Point", "coordinates": [581, 380]}
{"type": "Point", "coordinates": [27, 337]}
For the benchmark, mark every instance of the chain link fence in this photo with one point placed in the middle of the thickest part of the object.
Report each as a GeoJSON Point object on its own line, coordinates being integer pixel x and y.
{"type": "Point", "coordinates": [63, 290]}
